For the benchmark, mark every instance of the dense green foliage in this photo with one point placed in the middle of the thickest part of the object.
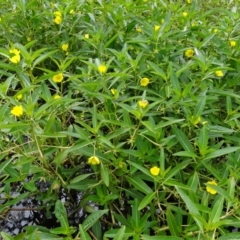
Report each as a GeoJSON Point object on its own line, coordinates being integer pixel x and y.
{"type": "Point", "coordinates": [132, 104]}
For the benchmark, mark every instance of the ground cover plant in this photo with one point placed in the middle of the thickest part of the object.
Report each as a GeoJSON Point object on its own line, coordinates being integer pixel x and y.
{"type": "Point", "coordinates": [129, 108]}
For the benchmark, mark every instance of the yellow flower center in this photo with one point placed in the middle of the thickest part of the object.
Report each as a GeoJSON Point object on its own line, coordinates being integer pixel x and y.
{"type": "Point", "coordinates": [189, 53]}
{"type": "Point", "coordinates": [65, 47]}
{"type": "Point", "coordinates": [58, 78]}
{"type": "Point", "coordinates": [156, 28]}
{"type": "Point", "coordinates": [233, 43]}
{"type": "Point", "coordinates": [144, 82]}
{"type": "Point", "coordinates": [143, 103]}
{"type": "Point", "coordinates": [219, 73]}
{"type": "Point", "coordinates": [93, 160]}
{"type": "Point", "coordinates": [209, 189]}
{"type": "Point", "coordinates": [102, 69]}
{"type": "Point", "coordinates": [17, 111]}
{"type": "Point", "coordinates": [58, 20]}
{"type": "Point", "coordinates": [154, 171]}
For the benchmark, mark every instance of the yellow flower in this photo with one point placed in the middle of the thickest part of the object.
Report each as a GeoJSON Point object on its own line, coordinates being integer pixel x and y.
{"type": "Point", "coordinates": [189, 53]}
{"type": "Point", "coordinates": [120, 164]}
{"type": "Point", "coordinates": [145, 0]}
{"type": "Point", "coordinates": [144, 82]}
{"type": "Point", "coordinates": [16, 58]}
{"type": "Point", "coordinates": [65, 47]}
{"type": "Point", "coordinates": [219, 73]}
{"type": "Point", "coordinates": [17, 111]}
{"type": "Point", "coordinates": [56, 97]}
{"type": "Point", "coordinates": [113, 91]}
{"type": "Point", "coordinates": [215, 30]}
{"type": "Point", "coordinates": [58, 78]}
{"type": "Point", "coordinates": [143, 103]}
{"type": "Point", "coordinates": [139, 29]}
{"type": "Point", "coordinates": [19, 96]}
{"type": "Point", "coordinates": [57, 14]}
{"type": "Point", "coordinates": [233, 43]}
{"type": "Point", "coordinates": [185, 14]}
{"type": "Point", "coordinates": [156, 28]}
{"type": "Point", "coordinates": [14, 51]}
{"type": "Point", "coordinates": [154, 171]}
{"type": "Point", "coordinates": [58, 20]}
{"type": "Point", "coordinates": [209, 189]}
{"type": "Point", "coordinates": [102, 69]}
{"type": "Point", "coordinates": [195, 120]}
{"type": "Point", "coordinates": [189, 1]}
{"type": "Point", "coordinates": [86, 36]}
{"type": "Point", "coordinates": [72, 12]}
{"type": "Point", "coordinates": [93, 160]}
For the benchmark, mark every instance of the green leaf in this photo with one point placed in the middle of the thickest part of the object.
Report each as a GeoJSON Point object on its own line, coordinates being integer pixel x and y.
{"type": "Point", "coordinates": [120, 234]}
{"type": "Point", "coordinates": [141, 168]}
{"type": "Point", "coordinates": [231, 190]}
{"type": "Point", "coordinates": [146, 237]}
{"type": "Point", "coordinates": [59, 230]}
{"type": "Point", "coordinates": [92, 218]}
{"type": "Point", "coordinates": [172, 223]}
{"type": "Point", "coordinates": [42, 57]}
{"type": "Point", "coordinates": [157, 70]}
{"type": "Point", "coordinates": [83, 233]}
{"type": "Point", "coordinates": [112, 233]}
{"type": "Point", "coordinates": [97, 230]}
{"type": "Point", "coordinates": [221, 152]}
{"type": "Point", "coordinates": [203, 139]}
{"type": "Point", "coordinates": [61, 214]}
{"type": "Point", "coordinates": [230, 236]}
{"type": "Point", "coordinates": [168, 123]}
{"type": "Point", "coordinates": [185, 154]}
{"type": "Point", "coordinates": [80, 178]}
{"type": "Point", "coordinates": [200, 106]}
{"type": "Point", "coordinates": [183, 140]}
{"type": "Point", "coordinates": [191, 206]}
{"type": "Point", "coordinates": [174, 79]}
{"type": "Point", "coordinates": [105, 174]}
{"type": "Point", "coordinates": [216, 210]}
{"type": "Point", "coordinates": [139, 184]}
{"type": "Point", "coordinates": [221, 192]}
{"type": "Point", "coordinates": [176, 169]}
{"type": "Point", "coordinates": [146, 200]}
{"type": "Point", "coordinates": [6, 236]}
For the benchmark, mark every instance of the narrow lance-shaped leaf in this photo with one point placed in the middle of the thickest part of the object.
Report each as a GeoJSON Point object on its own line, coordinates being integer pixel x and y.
{"type": "Point", "coordinates": [174, 79]}
{"type": "Point", "coordinates": [120, 233]}
{"type": "Point", "coordinates": [191, 206]}
{"type": "Point", "coordinates": [176, 169]}
{"type": "Point", "coordinates": [217, 210]}
{"type": "Point", "coordinates": [221, 152]}
{"type": "Point", "coordinates": [146, 200]}
{"type": "Point", "coordinates": [105, 175]}
{"type": "Point", "coordinates": [61, 214]}
{"type": "Point", "coordinates": [83, 233]}
{"type": "Point", "coordinates": [172, 223]}
{"type": "Point", "coordinates": [92, 218]}
{"type": "Point", "coordinates": [200, 106]}
{"type": "Point", "coordinates": [183, 140]}
{"type": "Point", "coordinates": [203, 139]}
{"type": "Point", "coordinates": [140, 185]}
